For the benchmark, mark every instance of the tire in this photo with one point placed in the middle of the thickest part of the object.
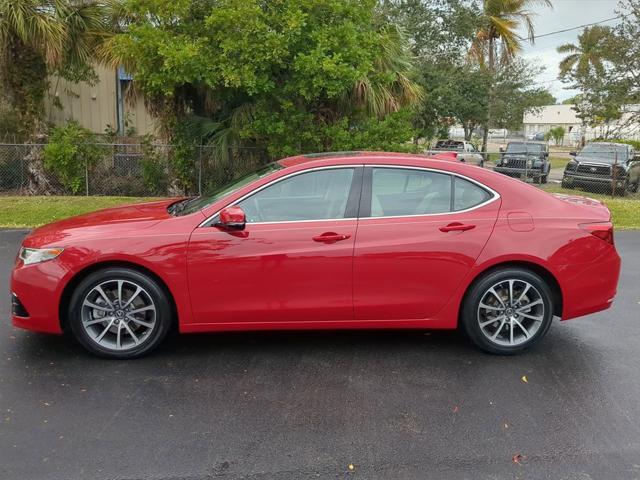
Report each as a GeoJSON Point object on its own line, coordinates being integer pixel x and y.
{"type": "Point", "coordinates": [480, 324]}
{"type": "Point", "coordinates": [544, 178]}
{"type": "Point", "coordinates": [566, 184]}
{"type": "Point", "coordinates": [119, 313]}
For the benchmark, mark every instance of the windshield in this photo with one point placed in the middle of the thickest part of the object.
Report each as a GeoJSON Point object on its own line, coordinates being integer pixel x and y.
{"type": "Point", "coordinates": [201, 202]}
{"type": "Point", "coordinates": [524, 148]}
{"type": "Point", "coordinates": [605, 152]}
{"type": "Point", "coordinates": [450, 145]}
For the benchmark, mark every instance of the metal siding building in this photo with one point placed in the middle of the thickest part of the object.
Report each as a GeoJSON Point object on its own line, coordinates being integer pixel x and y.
{"type": "Point", "coordinates": [97, 107]}
{"type": "Point", "coordinates": [565, 116]}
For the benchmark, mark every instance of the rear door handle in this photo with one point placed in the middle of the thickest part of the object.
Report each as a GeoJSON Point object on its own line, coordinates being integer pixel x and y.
{"type": "Point", "coordinates": [330, 237]}
{"type": "Point", "coordinates": [457, 227]}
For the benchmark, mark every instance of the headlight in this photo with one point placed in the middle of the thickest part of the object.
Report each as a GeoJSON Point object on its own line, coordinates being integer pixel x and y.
{"type": "Point", "coordinates": [529, 163]}
{"type": "Point", "coordinates": [37, 255]}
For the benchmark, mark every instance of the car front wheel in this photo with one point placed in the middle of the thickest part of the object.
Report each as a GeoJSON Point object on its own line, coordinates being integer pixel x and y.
{"type": "Point", "coordinates": [119, 313]}
{"type": "Point", "coordinates": [507, 311]}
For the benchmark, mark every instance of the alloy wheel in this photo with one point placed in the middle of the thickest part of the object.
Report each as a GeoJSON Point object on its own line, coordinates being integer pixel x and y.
{"type": "Point", "coordinates": [510, 312]}
{"type": "Point", "coordinates": [118, 314]}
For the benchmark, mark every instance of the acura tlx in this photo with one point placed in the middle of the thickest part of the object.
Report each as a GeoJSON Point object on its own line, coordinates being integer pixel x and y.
{"type": "Point", "coordinates": [324, 241]}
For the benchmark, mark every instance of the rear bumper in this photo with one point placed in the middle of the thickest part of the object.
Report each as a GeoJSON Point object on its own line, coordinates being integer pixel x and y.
{"type": "Point", "coordinates": [592, 287]}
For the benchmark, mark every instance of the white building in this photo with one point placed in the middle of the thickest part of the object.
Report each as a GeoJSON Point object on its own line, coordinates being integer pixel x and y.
{"type": "Point", "coordinates": [550, 116]}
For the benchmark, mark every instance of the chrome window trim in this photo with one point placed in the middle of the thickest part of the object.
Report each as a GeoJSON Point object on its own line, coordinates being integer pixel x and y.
{"type": "Point", "coordinates": [207, 222]}
{"type": "Point", "coordinates": [495, 195]}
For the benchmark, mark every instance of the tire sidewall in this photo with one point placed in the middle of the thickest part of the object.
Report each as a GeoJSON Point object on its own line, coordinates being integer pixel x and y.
{"type": "Point", "coordinates": [157, 293]}
{"type": "Point", "coordinates": [474, 295]}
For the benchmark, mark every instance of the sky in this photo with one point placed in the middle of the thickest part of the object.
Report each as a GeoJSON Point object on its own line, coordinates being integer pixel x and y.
{"type": "Point", "coordinates": [564, 14]}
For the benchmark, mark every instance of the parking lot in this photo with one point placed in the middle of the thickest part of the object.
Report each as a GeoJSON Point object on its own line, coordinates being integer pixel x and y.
{"type": "Point", "coordinates": [362, 405]}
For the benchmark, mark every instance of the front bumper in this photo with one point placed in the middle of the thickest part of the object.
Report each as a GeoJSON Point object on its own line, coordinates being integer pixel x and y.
{"type": "Point", "coordinates": [36, 291]}
{"type": "Point", "coordinates": [519, 172]}
{"type": "Point", "coordinates": [586, 179]}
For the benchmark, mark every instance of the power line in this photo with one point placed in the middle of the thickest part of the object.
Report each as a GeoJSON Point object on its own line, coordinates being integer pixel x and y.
{"type": "Point", "coordinates": [577, 28]}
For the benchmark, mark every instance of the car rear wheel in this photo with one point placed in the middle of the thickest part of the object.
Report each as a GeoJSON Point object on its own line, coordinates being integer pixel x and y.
{"type": "Point", "coordinates": [507, 311]}
{"type": "Point", "coordinates": [119, 313]}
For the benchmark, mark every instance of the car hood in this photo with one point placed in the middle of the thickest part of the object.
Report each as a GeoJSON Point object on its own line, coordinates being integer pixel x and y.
{"type": "Point", "coordinates": [594, 161]}
{"type": "Point", "coordinates": [110, 221]}
{"type": "Point", "coordinates": [522, 155]}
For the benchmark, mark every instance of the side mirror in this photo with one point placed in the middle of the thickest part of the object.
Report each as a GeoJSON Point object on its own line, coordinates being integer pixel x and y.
{"type": "Point", "coordinates": [501, 149]}
{"type": "Point", "coordinates": [546, 154]}
{"type": "Point", "coordinates": [232, 218]}
{"type": "Point", "coordinates": [573, 154]}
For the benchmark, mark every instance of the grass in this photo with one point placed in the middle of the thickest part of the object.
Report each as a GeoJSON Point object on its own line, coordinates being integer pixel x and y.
{"type": "Point", "coordinates": [558, 162]}
{"type": "Point", "coordinates": [29, 212]}
{"type": "Point", "coordinates": [625, 211]}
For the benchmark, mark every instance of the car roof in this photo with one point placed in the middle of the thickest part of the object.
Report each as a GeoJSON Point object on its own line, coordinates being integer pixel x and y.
{"type": "Point", "coordinates": [609, 143]}
{"type": "Point", "coordinates": [331, 158]}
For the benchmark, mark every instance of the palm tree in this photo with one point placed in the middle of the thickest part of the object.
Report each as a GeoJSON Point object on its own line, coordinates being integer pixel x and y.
{"type": "Point", "coordinates": [41, 38]}
{"type": "Point", "coordinates": [497, 38]}
{"type": "Point", "coordinates": [389, 86]}
{"type": "Point", "coordinates": [588, 55]}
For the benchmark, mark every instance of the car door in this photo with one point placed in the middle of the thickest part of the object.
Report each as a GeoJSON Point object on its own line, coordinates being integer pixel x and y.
{"type": "Point", "coordinates": [293, 260]}
{"type": "Point", "coordinates": [419, 234]}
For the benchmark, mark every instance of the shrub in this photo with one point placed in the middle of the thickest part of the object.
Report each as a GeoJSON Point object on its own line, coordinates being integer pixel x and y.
{"type": "Point", "coordinates": [556, 134]}
{"type": "Point", "coordinates": [69, 153]}
{"type": "Point", "coordinates": [154, 174]}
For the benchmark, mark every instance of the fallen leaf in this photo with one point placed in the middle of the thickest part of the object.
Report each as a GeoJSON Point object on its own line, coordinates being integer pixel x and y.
{"type": "Point", "coordinates": [524, 379]}
{"type": "Point", "coordinates": [351, 467]}
{"type": "Point", "coordinates": [506, 425]}
{"type": "Point", "coordinates": [455, 409]}
{"type": "Point", "coordinates": [518, 458]}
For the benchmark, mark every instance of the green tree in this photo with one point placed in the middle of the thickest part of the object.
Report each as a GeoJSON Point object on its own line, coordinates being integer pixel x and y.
{"type": "Point", "coordinates": [556, 134]}
{"type": "Point", "coordinates": [590, 68]}
{"type": "Point", "coordinates": [279, 76]}
{"type": "Point", "coordinates": [516, 92]}
{"type": "Point", "coordinates": [40, 38]}
{"type": "Point", "coordinates": [588, 55]}
{"type": "Point", "coordinates": [497, 41]}
{"type": "Point", "coordinates": [440, 33]}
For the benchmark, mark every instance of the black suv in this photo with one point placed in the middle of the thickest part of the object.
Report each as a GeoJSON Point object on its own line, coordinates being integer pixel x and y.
{"type": "Point", "coordinates": [525, 160]}
{"type": "Point", "coordinates": [614, 167]}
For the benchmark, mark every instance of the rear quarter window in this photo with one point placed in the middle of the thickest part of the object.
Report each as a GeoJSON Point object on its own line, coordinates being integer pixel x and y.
{"type": "Point", "coordinates": [468, 194]}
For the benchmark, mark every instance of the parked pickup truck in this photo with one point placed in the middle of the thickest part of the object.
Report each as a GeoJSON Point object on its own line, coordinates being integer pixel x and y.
{"type": "Point", "coordinates": [614, 167]}
{"type": "Point", "coordinates": [465, 150]}
{"type": "Point", "coordinates": [525, 160]}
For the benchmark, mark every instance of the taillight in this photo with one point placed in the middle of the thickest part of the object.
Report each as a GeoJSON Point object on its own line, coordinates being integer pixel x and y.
{"type": "Point", "coordinates": [604, 231]}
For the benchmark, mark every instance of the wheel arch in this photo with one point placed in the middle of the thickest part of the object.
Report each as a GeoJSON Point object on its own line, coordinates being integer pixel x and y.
{"type": "Point", "coordinates": [545, 273]}
{"type": "Point", "coordinates": [67, 292]}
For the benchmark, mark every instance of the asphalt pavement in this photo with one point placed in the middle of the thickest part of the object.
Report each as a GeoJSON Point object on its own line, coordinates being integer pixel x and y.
{"type": "Point", "coordinates": [361, 405]}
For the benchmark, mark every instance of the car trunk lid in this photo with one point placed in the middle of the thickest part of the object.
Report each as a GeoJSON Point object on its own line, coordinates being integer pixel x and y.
{"type": "Point", "coordinates": [590, 208]}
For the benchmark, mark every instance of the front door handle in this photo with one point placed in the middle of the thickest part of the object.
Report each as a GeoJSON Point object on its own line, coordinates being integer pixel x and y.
{"type": "Point", "coordinates": [330, 237]}
{"type": "Point", "coordinates": [457, 227]}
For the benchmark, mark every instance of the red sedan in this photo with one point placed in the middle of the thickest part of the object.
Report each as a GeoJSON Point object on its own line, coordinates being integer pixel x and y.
{"type": "Point", "coordinates": [359, 240]}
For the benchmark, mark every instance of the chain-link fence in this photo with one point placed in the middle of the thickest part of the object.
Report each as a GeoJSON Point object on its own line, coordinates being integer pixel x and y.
{"type": "Point", "coordinates": [139, 169]}
{"type": "Point", "coordinates": [601, 169]}
{"type": "Point", "coordinates": [128, 169]}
